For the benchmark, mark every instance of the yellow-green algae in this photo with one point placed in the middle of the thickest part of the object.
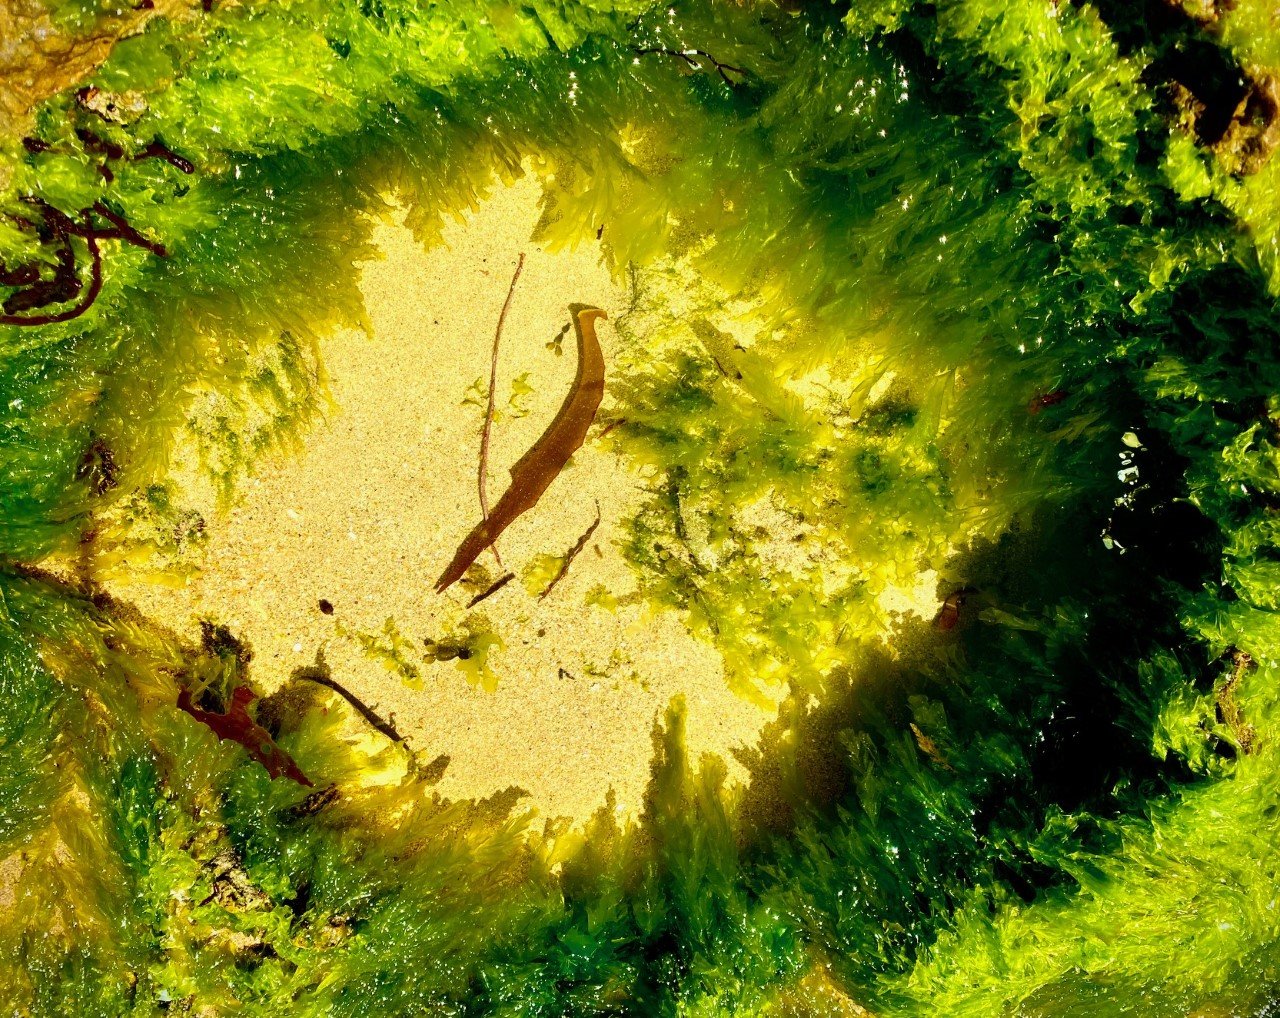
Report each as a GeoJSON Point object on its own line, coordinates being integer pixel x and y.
{"type": "Point", "coordinates": [905, 279]}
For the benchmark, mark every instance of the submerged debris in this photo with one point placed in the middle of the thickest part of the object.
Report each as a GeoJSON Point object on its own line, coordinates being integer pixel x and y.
{"type": "Point", "coordinates": [321, 677]}
{"type": "Point", "coordinates": [696, 59]}
{"type": "Point", "coordinates": [314, 803]}
{"type": "Point", "coordinates": [492, 589]}
{"type": "Point", "coordinates": [542, 464]}
{"type": "Point", "coordinates": [949, 614]}
{"type": "Point", "coordinates": [98, 467]}
{"type": "Point", "coordinates": [571, 555]}
{"type": "Point", "coordinates": [1229, 709]}
{"type": "Point", "coordinates": [1044, 400]}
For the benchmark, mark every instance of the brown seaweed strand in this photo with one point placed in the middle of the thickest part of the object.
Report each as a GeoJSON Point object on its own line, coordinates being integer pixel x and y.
{"type": "Point", "coordinates": [534, 472]}
{"type": "Point", "coordinates": [571, 555]}
{"type": "Point", "coordinates": [86, 301]}
{"type": "Point", "coordinates": [492, 589]}
{"type": "Point", "coordinates": [360, 707]}
{"type": "Point", "coordinates": [102, 146]}
{"type": "Point", "coordinates": [123, 231]}
{"type": "Point", "coordinates": [23, 275]}
{"type": "Point", "coordinates": [158, 150]}
{"type": "Point", "coordinates": [693, 58]}
{"type": "Point", "coordinates": [482, 472]}
{"type": "Point", "coordinates": [63, 228]}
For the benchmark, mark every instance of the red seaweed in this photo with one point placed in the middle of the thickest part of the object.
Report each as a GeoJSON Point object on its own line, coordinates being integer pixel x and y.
{"type": "Point", "coordinates": [65, 284]}
{"type": "Point", "coordinates": [237, 726]}
{"type": "Point", "coordinates": [62, 286]}
{"type": "Point", "coordinates": [95, 143]}
{"type": "Point", "coordinates": [156, 150]}
{"type": "Point", "coordinates": [1045, 400]}
{"type": "Point", "coordinates": [90, 295]}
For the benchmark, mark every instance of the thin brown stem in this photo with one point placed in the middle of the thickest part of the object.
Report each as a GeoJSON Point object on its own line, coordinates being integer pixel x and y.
{"type": "Point", "coordinates": [694, 58]}
{"type": "Point", "coordinates": [364, 710]}
{"type": "Point", "coordinates": [492, 589]}
{"type": "Point", "coordinates": [571, 555]}
{"type": "Point", "coordinates": [123, 231]}
{"type": "Point", "coordinates": [482, 474]}
{"type": "Point", "coordinates": [610, 426]}
{"type": "Point", "coordinates": [156, 150]}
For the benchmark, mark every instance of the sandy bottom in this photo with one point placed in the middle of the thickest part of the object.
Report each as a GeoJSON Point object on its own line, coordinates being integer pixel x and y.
{"type": "Point", "coordinates": [368, 513]}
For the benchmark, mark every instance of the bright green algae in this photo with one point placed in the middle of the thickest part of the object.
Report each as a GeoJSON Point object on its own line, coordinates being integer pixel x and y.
{"type": "Point", "coordinates": [1061, 807]}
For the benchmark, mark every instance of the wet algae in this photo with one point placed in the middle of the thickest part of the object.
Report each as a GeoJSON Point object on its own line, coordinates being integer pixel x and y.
{"type": "Point", "coordinates": [982, 291]}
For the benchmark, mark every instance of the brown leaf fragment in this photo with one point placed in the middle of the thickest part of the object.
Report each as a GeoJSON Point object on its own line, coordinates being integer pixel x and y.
{"type": "Point", "coordinates": [1229, 708]}
{"type": "Point", "coordinates": [542, 464]}
{"type": "Point", "coordinates": [950, 613]}
{"type": "Point", "coordinates": [929, 748]}
{"type": "Point", "coordinates": [237, 726]}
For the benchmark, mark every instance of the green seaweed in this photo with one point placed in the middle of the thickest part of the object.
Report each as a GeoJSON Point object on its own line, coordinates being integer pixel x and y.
{"type": "Point", "coordinates": [949, 296]}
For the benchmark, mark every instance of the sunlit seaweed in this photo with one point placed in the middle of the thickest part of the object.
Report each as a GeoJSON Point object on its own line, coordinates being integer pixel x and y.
{"type": "Point", "coordinates": [933, 264]}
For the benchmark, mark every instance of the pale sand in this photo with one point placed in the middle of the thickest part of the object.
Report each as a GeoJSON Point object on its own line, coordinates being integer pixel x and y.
{"type": "Point", "coordinates": [371, 509]}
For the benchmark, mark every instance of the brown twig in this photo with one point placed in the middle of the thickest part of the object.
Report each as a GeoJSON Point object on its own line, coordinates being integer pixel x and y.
{"type": "Point", "coordinates": [492, 589]}
{"type": "Point", "coordinates": [482, 474]}
{"type": "Point", "coordinates": [572, 554]}
{"type": "Point", "coordinates": [694, 58]}
{"type": "Point", "coordinates": [123, 231]}
{"type": "Point", "coordinates": [610, 426]}
{"type": "Point", "coordinates": [364, 710]}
